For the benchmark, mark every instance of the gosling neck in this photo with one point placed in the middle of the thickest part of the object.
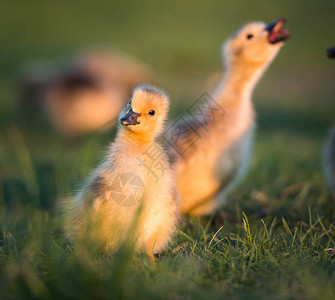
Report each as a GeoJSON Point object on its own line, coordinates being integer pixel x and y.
{"type": "Point", "coordinates": [238, 83]}
{"type": "Point", "coordinates": [135, 139]}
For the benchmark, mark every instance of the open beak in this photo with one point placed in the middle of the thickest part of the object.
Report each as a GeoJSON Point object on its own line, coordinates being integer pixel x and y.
{"type": "Point", "coordinates": [130, 118]}
{"type": "Point", "coordinates": [331, 52]}
{"type": "Point", "coordinates": [276, 33]}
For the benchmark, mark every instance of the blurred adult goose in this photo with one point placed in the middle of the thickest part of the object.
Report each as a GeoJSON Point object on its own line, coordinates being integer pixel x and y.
{"type": "Point", "coordinates": [88, 93]}
{"type": "Point", "coordinates": [329, 154]}
{"type": "Point", "coordinates": [331, 52]}
{"type": "Point", "coordinates": [212, 150]}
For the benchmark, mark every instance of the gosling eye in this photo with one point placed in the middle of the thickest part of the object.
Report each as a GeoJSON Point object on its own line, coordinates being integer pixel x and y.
{"type": "Point", "coordinates": [250, 36]}
{"type": "Point", "coordinates": [129, 102]}
{"type": "Point", "coordinates": [151, 112]}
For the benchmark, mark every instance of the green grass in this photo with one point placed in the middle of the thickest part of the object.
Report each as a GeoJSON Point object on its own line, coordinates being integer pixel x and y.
{"type": "Point", "coordinates": [274, 240]}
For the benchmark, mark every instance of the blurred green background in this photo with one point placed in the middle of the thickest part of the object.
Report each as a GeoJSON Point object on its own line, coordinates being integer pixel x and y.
{"type": "Point", "coordinates": [181, 41]}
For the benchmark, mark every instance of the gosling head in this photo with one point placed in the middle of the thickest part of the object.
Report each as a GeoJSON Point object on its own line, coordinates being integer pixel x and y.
{"type": "Point", "coordinates": [255, 45]}
{"type": "Point", "coordinates": [146, 111]}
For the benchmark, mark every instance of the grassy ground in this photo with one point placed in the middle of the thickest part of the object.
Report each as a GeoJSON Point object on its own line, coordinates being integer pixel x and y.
{"type": "Point", "coordinates": [281, 248]}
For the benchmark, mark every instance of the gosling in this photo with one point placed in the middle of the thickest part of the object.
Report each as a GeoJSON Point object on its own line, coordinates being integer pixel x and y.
{"type": "Point", "coordinates": [212, 151]}
{"type": "Point", "coordinates": [329, 152]}
{"type": "Point", "coordinates": [133, 189]}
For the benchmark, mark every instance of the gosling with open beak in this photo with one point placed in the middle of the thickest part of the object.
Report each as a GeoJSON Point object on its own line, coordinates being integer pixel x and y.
{"type": "Point", "coordinates": [276, 33]}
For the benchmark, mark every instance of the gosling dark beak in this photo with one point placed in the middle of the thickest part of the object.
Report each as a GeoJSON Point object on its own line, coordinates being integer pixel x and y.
{"type": "Point", "coordinates": [276, 33]}
{"type": "Point", "coordinates": [130, 118]}
{"type": "Point", "coordinates": [331, 52]}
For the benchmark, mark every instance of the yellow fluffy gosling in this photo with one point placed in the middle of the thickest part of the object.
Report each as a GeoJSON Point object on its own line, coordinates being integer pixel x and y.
{"type": "Point", "coordinates": [217, 146]}
{"type": "Point", "coordinates": [134, 185]}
